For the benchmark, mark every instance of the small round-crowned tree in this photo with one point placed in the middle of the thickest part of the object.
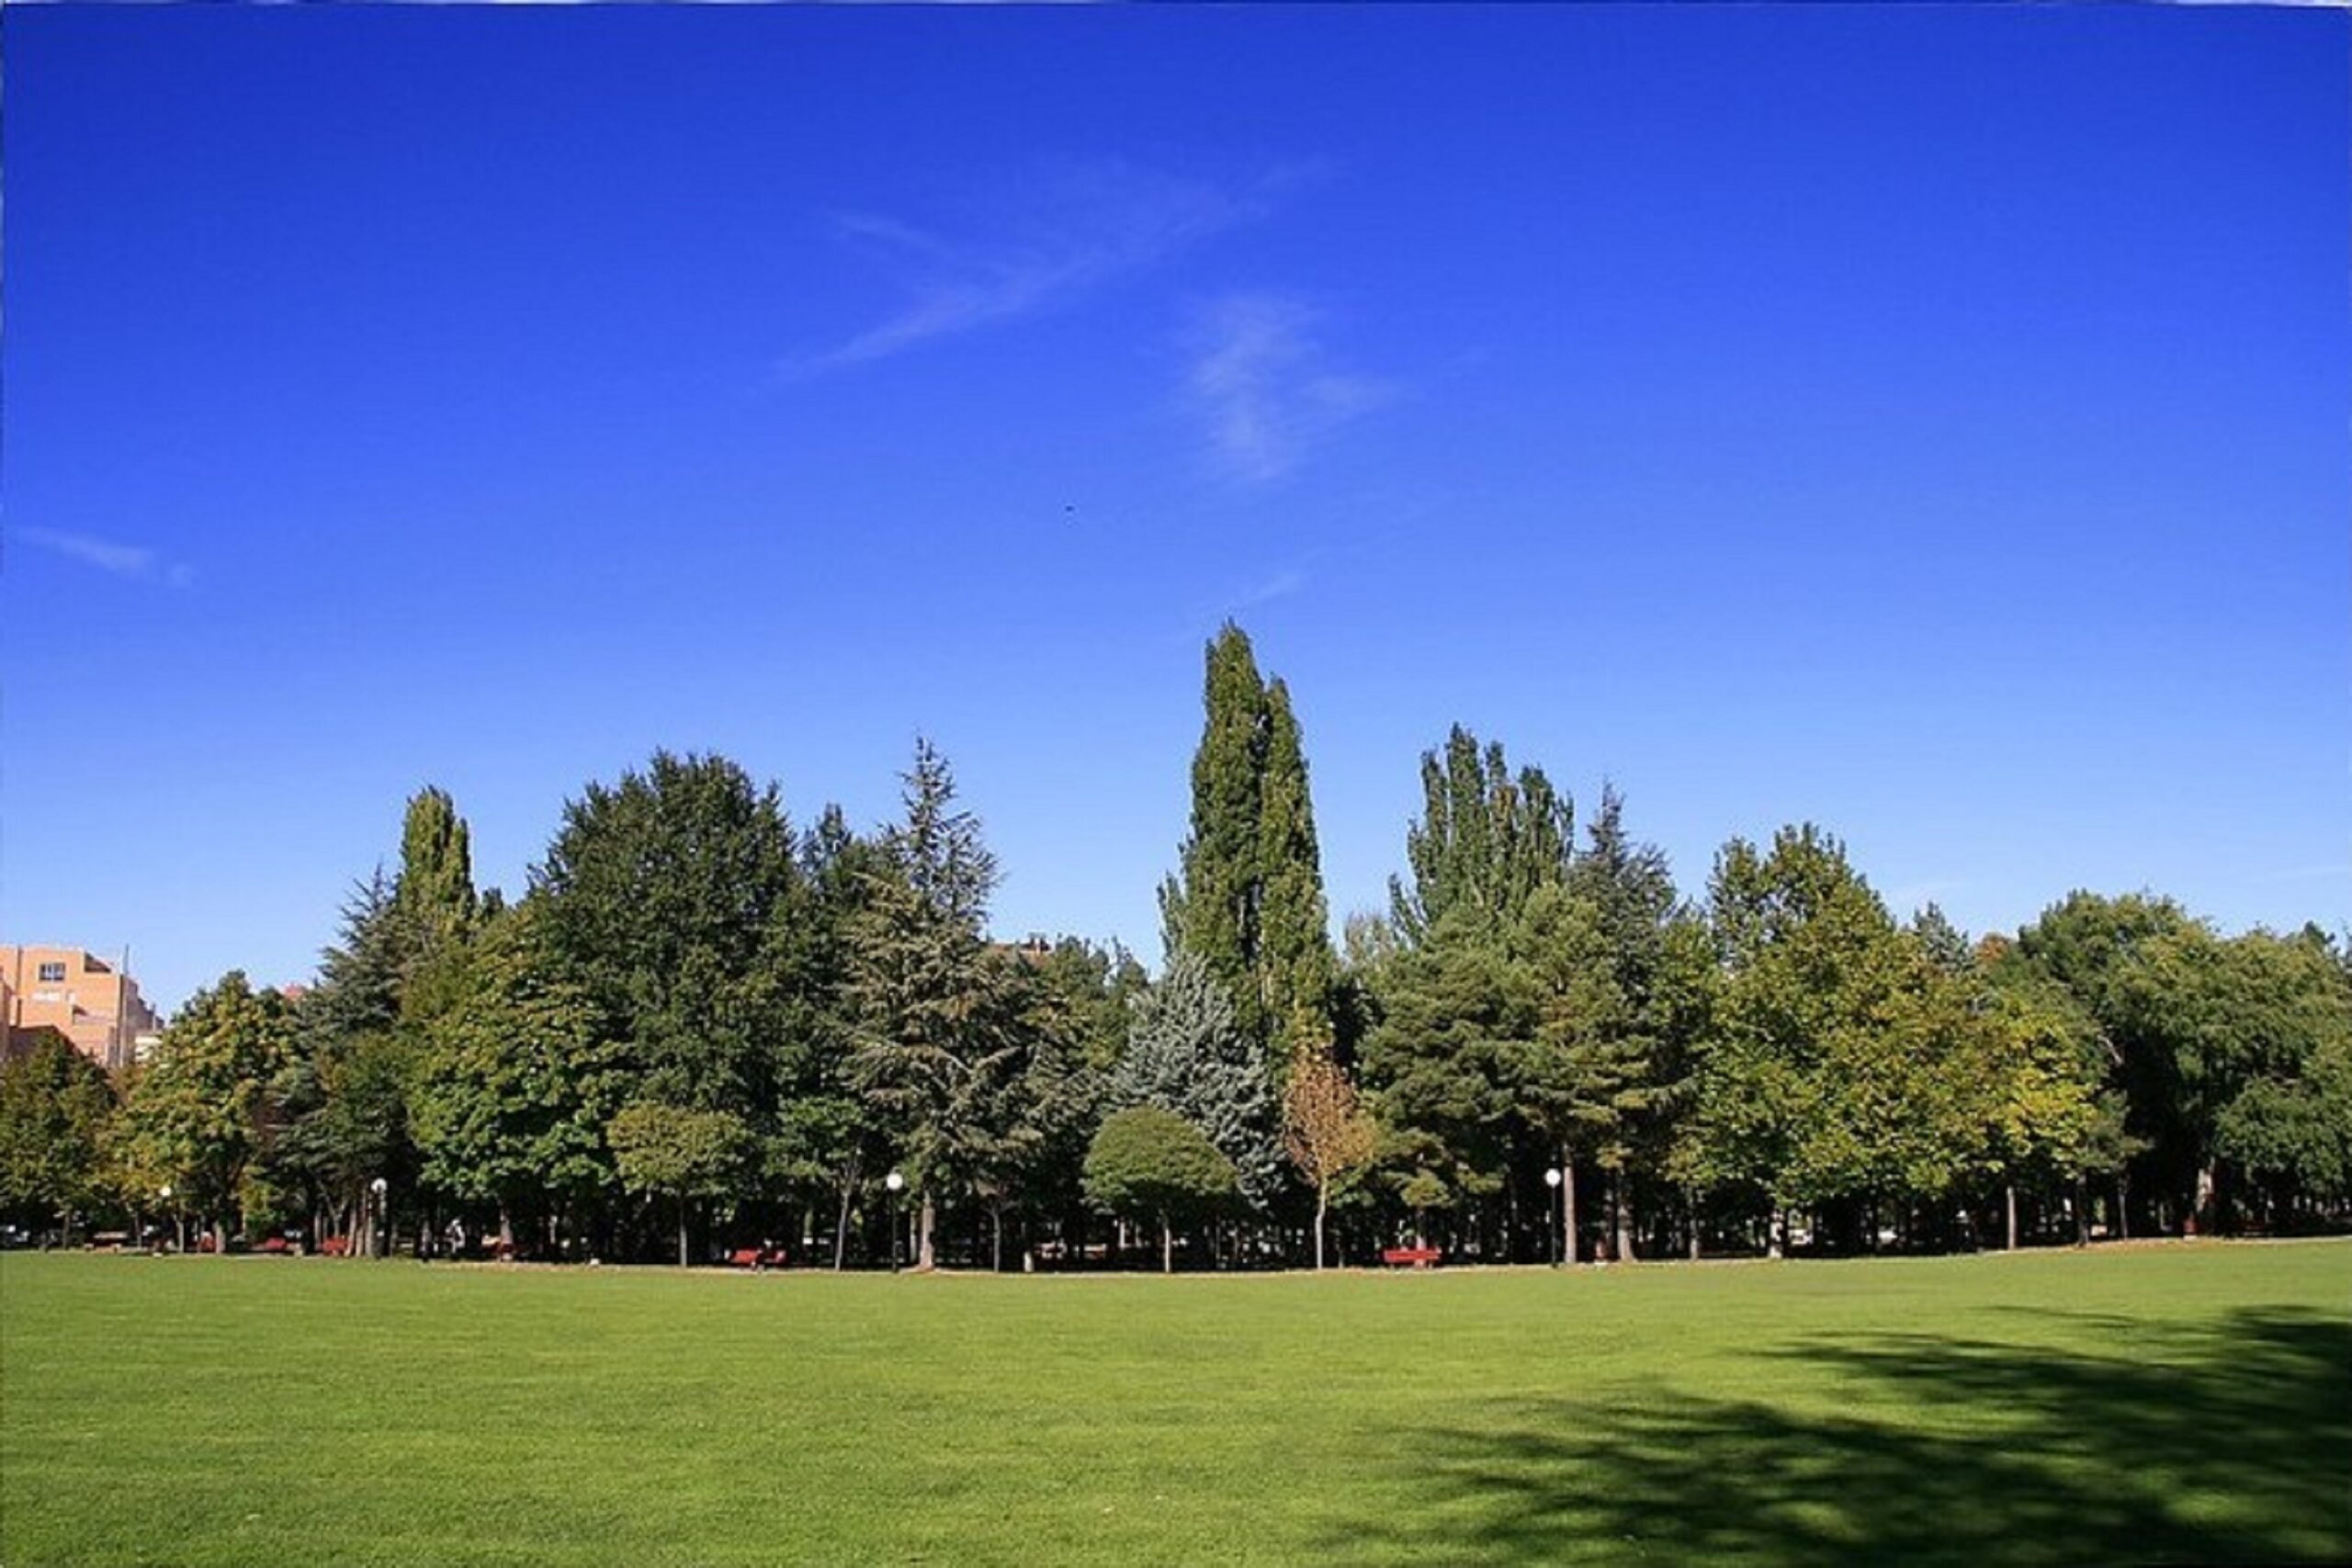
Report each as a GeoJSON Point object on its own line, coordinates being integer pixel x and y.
{"type": "Point", "coordinates": [1146, 1162]}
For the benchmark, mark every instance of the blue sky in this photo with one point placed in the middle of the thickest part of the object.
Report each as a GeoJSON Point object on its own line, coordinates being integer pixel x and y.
{"type": "Point", "coordinates": [1928, 421]}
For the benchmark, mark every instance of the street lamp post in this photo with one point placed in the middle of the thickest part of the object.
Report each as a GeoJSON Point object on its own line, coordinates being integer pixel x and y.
{"type": "Point", "coordinates": [376, 1236]}
{"type": "Point", "coordinates": [897, 1184]}
{"type": "Point", "coordinates": [1552, 1213]}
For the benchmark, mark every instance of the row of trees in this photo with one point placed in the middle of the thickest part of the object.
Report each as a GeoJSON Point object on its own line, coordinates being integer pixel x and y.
{"type": "Point", "coordinates": [702, 1021]}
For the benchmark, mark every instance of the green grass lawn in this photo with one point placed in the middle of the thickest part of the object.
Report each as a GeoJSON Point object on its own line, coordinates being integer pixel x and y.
{"type": "Point", "coordinates": [2171, 1403]}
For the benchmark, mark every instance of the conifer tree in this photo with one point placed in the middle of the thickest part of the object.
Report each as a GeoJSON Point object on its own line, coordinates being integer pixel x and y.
{"type": "Point", "coordinates": [940, 1037]}
{"type": "Point", "coordinates": [1186, 1054]}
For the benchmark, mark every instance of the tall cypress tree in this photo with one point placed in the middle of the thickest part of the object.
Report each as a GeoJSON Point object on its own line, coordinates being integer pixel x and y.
{"type": "Point", "coordinates": [1248, 897]}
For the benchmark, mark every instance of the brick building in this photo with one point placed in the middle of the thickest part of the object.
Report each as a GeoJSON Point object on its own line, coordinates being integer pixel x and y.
{"type": "Point", "coordinates": [91, 1002]}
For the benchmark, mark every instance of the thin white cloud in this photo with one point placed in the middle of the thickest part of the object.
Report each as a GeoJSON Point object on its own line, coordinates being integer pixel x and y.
{"type": "Point", "coordinates": [1281, 585]}
{"type": "Point", "coordinates": [108, 555]}
{"type": "Point", "coordinates": [1264, 385]}
{"type": "Point", "coordinates": [1067, 229]}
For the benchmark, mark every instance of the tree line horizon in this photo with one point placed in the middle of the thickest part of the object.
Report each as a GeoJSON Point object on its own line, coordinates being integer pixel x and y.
{"type": "Point", "coordinates": [704, 1029]}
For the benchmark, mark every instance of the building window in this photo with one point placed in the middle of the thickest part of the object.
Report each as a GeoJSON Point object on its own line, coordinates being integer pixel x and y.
{"type": "Point", "coordinates": [49, 972]}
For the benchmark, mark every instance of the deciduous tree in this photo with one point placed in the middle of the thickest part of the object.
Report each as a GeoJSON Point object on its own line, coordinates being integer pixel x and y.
{"type": "Point", "coordinates": [1326, 1131]}
{"type": "Point", "coordinates": [1148, 1162]}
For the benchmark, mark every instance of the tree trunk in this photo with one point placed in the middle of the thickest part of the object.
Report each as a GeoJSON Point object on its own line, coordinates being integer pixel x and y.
{"type": "Point", "coordinates": [2122, 1206]}
{"type": "Point", "coordinates": [2010, 1207]}
{"type": "Point", "coordinates": [925, 1258]}
{"type": "Point", "coordinates": [1567, 1207]}
{"type": "Point", "coordinates": [1693, 1204]}
{"type": "Point", "coordinates": [2082, 1212]}
{"type": "Point", "coordinates": [840, 1230]}
{"type": "Point", "coordinates": [1167, 1246]}
{"type": "Point", "coordinates": [1622, 1215]}
{"type": "Point", "coordinates": [682, 1230]}
{"type": "Point", "coordinates": [996, 1238]}
{"type": "Point", "coordinates": [2200, 1215]}
{"type": "Point", "coordinates": [1322, 1207]}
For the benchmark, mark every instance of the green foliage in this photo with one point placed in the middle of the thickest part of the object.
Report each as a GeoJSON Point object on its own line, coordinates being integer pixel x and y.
{"type": "Point", "coordinates": [660, 895]}
{"type": "Point", "coordinates": [940, 1042]}
{"type": "Point", "coordinates": [1844, 1063]}
{"type": "Point", "coordinates": [196, 1115]}
{"type": "Point", "coordinates": [339, 1106]}
{"type": "Point", "coordinates": [1097, 987]}
{"type": "Point", "coordinates": [55, 1105]}
{"type": "Point", "coordinates": [517, 1081]}
{"type": "Point", "coordinates": [1296, 964]}
{"type": "Point", "coordinates": [1486, 840]}
{"type": "Point", "coordinates": [1248, 897]}
{"type": "Point", "coordinates": [434, 903]}
{"type": "Point", "coordinates": [680, 1154]}
{"type": "Point", "coordinates": [2225, 1053]}
{"type": "Point", "coordinates": [1147, 1161]}
{"type": "Point", "coordinates": [1187, 1054]}
{"type": "Point", "coordinates": [1445, 1062]}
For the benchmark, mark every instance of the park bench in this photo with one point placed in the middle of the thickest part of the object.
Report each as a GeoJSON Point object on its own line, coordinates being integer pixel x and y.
{"type": "Point", "coordinates": [1411, 1256]}
{"type": "Point", "coordinates": [757, 1257]}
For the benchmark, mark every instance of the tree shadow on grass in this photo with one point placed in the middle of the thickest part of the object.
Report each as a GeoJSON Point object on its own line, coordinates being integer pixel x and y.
{"type": "Point", "coordinates": [2230, 1442]}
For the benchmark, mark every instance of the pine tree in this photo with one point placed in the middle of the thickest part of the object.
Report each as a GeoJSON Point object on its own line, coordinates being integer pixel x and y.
{"type": "Point", "coordinates": [938, 846]}
{"type": "Point", "coordinates": [341, 1104]}
{"type": "Point", "coordinates": [940, 1037]}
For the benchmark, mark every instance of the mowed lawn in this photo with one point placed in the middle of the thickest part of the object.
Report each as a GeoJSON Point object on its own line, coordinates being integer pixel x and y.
{"type": "Point", "coordinates": [2189, 1403]}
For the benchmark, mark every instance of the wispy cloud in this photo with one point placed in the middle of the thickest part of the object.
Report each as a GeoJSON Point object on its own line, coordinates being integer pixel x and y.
{"type": "Point", "coordinates": [108, 555]}
{"type": "Point", "coordinates": [1281, 585]}
{"type": "Point", "coordinates": [1067, 229]}
{"type": "Point", "coordinates": [1265, 387]}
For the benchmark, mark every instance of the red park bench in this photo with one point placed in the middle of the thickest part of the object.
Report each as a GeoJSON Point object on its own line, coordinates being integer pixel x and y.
{"type": "Point", "coordinates": [1411, 1256]}
{"type": "Point", "coordinates": [755, 1258]}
